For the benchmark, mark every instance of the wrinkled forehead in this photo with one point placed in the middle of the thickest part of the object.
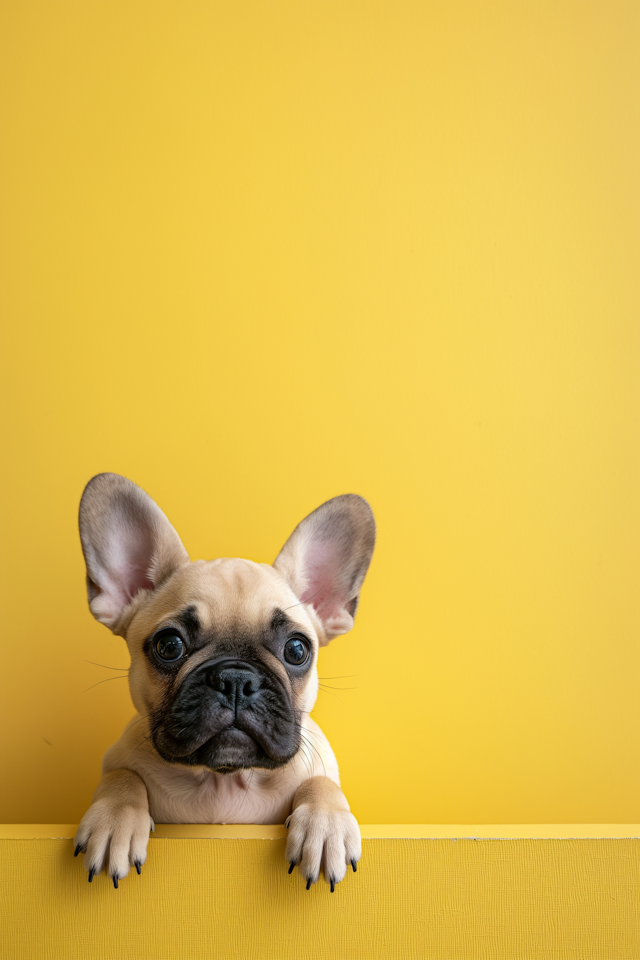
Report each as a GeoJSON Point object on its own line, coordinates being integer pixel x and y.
{"type": "Point", "coordinates": [223, 596]}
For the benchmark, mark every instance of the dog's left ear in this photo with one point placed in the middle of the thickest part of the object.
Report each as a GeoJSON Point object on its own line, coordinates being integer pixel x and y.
{"type": "Point", "coordinates": [326, 558]}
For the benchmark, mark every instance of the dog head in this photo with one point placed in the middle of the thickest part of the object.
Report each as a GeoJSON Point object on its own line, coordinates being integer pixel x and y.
{"type": "Point", "coordinates": [223, 652]}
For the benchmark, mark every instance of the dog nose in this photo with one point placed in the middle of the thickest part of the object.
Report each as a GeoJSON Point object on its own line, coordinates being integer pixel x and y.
{"type": "Point", "coordinates": [236, 686]}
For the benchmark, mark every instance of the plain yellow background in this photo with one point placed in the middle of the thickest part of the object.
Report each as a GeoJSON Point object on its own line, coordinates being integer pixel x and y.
{"type": "Point", "coordinates": [257, 254]}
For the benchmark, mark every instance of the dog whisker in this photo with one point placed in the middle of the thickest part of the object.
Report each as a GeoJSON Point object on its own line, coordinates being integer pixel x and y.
{"type": "Point", "coordinates": [137, 747]}
{"type": "Point", "coordinates": [308, 765]}
{"type": "Point", "coordinates": [310, 733]}
{"type": "Point", "coordinates": [122, 677]}
{"type": "Point", "coordinates": [329, 690]}
{"type": "Point", "coordinates": [138, 721]}
{"type": "Point", "coordinates": [308, 600]}
{"type": "Point", "coordinates": [126, 669]}
{"type": "Point", "coordinates": [347, 676]}
{"type": "Point", "coordinates": [317, 752]}
{"type": "Point", "coordinates": [313, 747]}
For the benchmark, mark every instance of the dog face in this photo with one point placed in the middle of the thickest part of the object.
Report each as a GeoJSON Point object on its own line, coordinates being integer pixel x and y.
{"type": "Point", "coordinates": [223, 652]}
{"type": "Point", "coordinates": [223, 660]}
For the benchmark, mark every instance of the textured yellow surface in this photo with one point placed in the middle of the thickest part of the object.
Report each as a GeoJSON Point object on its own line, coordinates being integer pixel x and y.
{"type": "Point", "coordinates": [257, 253]}
{"type": "Point", "coordinates": [411, 899]}
{"type": "Point", "coordinates": [369, 831]}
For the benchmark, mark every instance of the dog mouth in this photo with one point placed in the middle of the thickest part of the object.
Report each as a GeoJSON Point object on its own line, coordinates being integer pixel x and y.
{"type": "Point", "coordinates": [226, 752]}
{"type": "Point", "coordinates": [228, 716]}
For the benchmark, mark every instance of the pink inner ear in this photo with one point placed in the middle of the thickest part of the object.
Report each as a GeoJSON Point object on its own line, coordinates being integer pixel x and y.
{"type": "Point", "coordinates": [130, 561]}
{"type": "Point", "coordinates": [132, 579]}
{"type": "Point", "coordinates": [322, 590]}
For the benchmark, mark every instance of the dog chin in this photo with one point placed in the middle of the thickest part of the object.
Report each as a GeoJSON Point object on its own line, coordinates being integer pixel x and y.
{"type": "Point", "coordinates": [227, 752]}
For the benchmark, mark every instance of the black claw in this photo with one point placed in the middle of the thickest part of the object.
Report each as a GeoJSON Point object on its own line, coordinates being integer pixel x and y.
{"type": "Point", "coordinates": [309, 883]}
{"type": "Point", "coordinates": [138, 867]}
{"type": "Point", "coordinates": [291, 866]}
{"type": "Point", "coordinates": [77, 850]}
{"type": "Point", "coordinates": [333, 885]}
{"type": "Point", "coordinates": [92, 874]}
{"type": "Point", "coordinates": [115, 882]}
{"type": "Point", "coordinates": [354, 865]}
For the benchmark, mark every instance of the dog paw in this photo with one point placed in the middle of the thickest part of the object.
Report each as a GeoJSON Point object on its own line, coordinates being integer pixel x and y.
{"type": "Point", "coordinates": [322, 840]}
{"type": "Point", "coordinates": [112, 837]}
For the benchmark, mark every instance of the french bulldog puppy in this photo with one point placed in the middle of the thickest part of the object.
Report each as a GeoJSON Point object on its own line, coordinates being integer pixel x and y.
{"type": "Point", "coordinates": [223, 677]}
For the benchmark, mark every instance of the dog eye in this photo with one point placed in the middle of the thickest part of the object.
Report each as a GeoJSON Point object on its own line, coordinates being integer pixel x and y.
{"type": "Point", "coordinates": [296, 651]}
{"type": "Point", "coordinates": [169, 647]}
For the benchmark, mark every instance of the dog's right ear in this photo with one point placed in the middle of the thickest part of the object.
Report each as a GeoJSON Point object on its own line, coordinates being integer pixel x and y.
{"type": "Point", "coordinates": [128, 545]}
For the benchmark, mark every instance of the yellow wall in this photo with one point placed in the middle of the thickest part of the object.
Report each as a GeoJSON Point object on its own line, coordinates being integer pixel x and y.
{"type": "Point", "coordinates": [258, 254]}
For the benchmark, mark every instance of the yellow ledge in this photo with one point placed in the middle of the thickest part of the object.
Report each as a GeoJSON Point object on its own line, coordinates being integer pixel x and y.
{"type": "Point", "coordinates": [369, 831]}
{"type": "Point", "coordinates": [422, 892]}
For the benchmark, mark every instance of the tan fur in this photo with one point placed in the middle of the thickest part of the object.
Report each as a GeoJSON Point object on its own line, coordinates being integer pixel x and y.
{"type": "Point", "coordinates": [139, 581]}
